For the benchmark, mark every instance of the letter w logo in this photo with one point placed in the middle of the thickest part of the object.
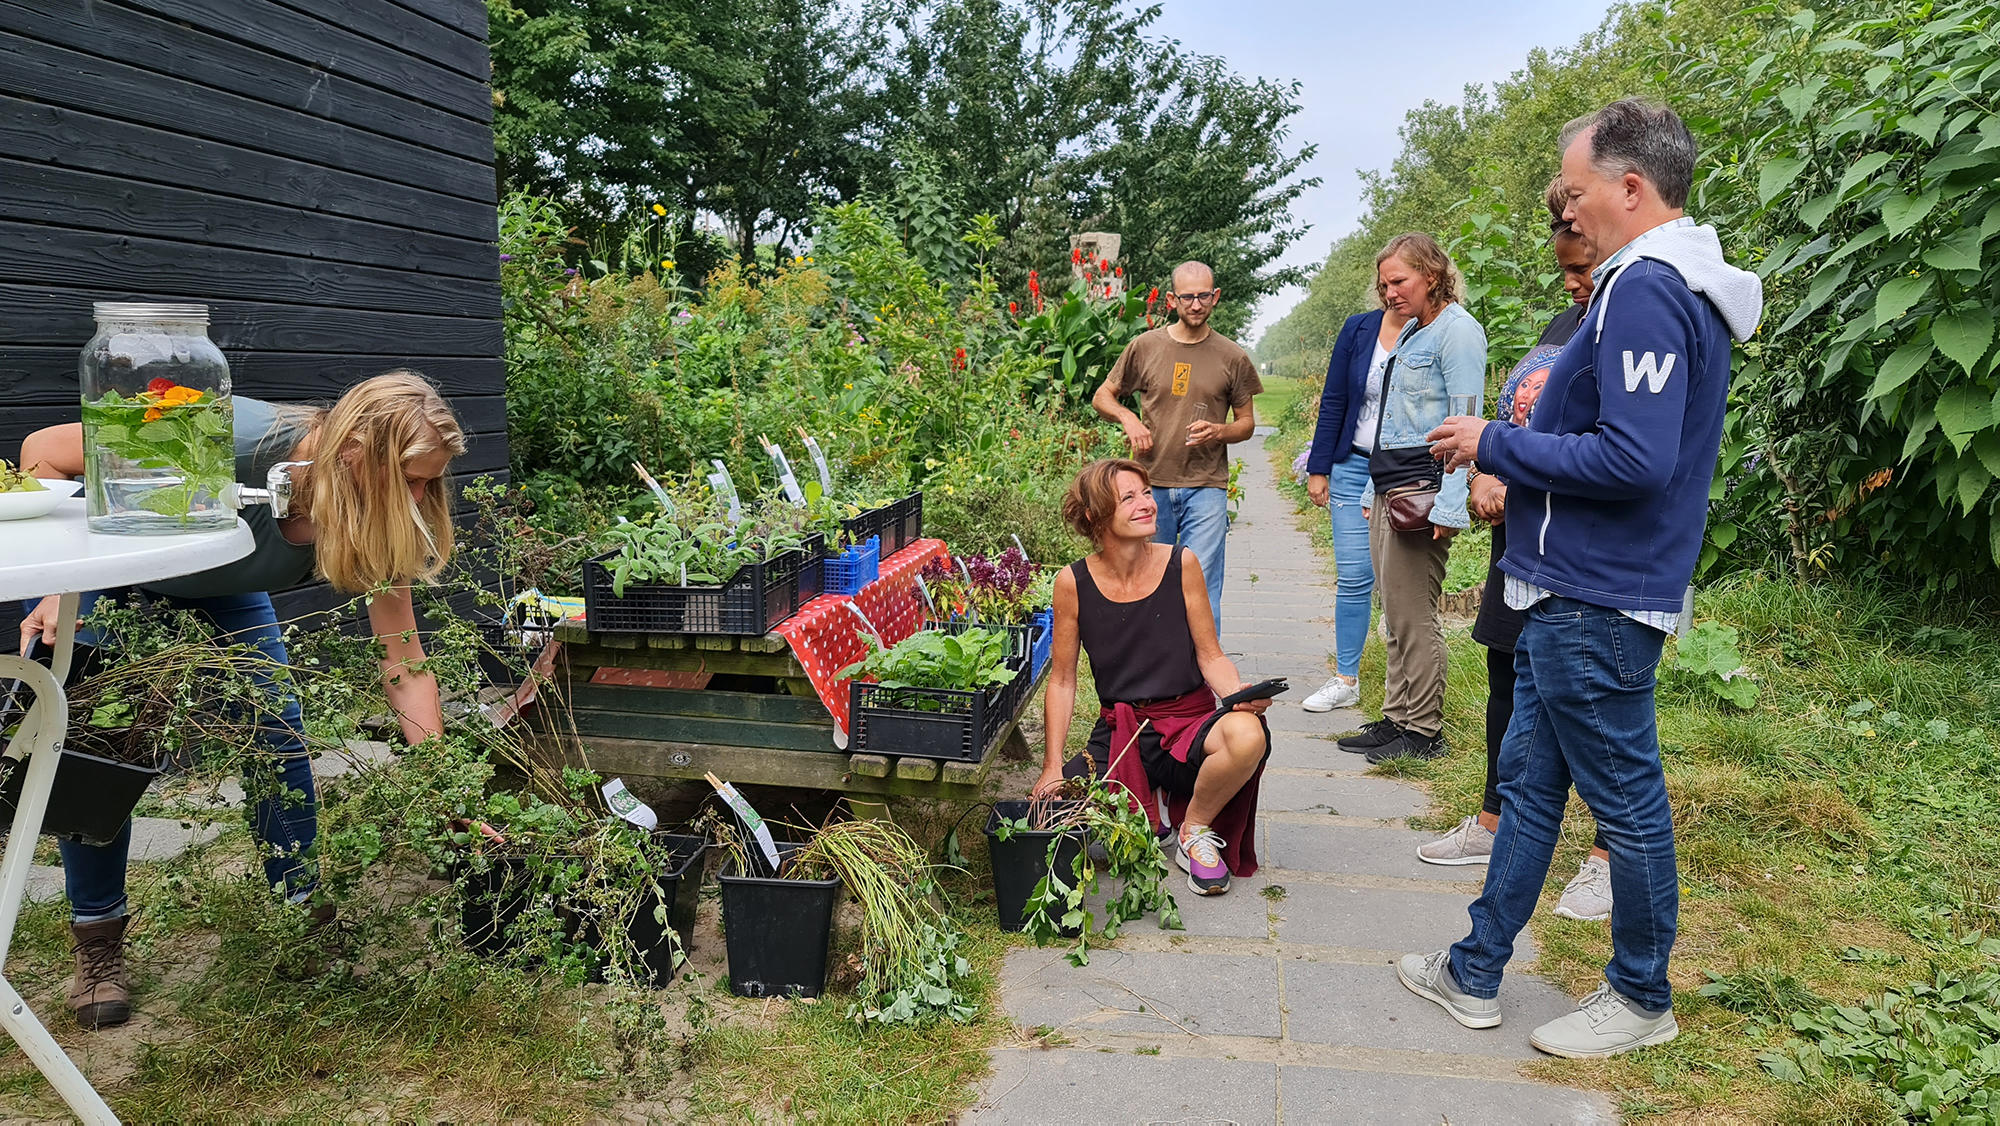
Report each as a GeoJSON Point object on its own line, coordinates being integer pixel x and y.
{"type": "Point", "coordinates": [1654, 373]}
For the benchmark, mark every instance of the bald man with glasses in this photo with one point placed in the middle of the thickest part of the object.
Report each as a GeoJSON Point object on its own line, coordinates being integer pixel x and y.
{"type": "Point", "coordinates": [1189, 380]}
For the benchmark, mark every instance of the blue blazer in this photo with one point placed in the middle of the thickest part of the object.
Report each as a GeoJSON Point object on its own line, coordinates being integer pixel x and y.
{"type": "Point", "coordinates": [1346, 390]}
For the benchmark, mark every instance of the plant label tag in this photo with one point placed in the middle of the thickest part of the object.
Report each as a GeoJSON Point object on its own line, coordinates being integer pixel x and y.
{"type": "Point", "coordinates": [786, 478]}
{"type": "Point", "coordinates": [751, 821]}
{"type": "Point", "coordinates": [725, 488]}
{"type": "Point", "coordinates": [819, 460]}
{"type": "Point", "coordinates": [626, 805]}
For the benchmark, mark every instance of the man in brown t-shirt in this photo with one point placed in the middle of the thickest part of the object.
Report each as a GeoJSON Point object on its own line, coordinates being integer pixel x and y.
{"type": "Point", "coordinates": [1188, 377]}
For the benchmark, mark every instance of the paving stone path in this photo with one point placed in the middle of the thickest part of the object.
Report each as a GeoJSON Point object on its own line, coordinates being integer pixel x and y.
{"type": "Point", "coordinates": [1280, 1001]}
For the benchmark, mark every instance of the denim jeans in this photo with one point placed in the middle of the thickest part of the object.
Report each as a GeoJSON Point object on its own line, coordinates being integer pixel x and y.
{"type": "Point", "coordinates": [286, 821]}
{"type": "Point", "coordinates": [1583, 716]}
{"type": "Point", "coordinates": [1197, 519]}
{"type": "Point", "coordinates": [1354, 590]}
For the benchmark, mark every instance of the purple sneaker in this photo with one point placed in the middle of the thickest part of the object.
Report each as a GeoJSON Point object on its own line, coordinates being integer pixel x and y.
{"type": "Point", "coordinates": [1200, 854]}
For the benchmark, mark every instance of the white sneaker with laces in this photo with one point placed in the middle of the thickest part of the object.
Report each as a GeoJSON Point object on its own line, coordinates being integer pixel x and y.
{"type": "Point", "coordinates": [1604, 1024]}
{"type": "Point", "coordinates": [1470, 843]}
{"type": "Point", "coordinates": [1335, 693]}
{"type": "Point", "coordinates": [1587, 896]}
{"type": "Point", "coordinates": [1429, 976]}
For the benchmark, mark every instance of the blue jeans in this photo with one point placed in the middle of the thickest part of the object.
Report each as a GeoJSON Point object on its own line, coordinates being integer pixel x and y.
{"type": "Point", "coordinates": [1197, 519]}
{"type": "Point", "coordinates": [1583, 716]}
{"type": "Point", "coordinates": [286, 821]}
{"type": "Point", "coordinates": [1354, 590]}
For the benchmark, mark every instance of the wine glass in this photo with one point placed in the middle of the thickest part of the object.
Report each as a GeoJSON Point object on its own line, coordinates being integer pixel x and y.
{"type": "Point", "coordinates": [1200, 415]}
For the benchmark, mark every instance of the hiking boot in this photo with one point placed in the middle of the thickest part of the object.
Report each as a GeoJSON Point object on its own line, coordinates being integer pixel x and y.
{"type": "Point", "coordinates": [1429, 976]}
{"type": "Point", "coordinates": [1604, 1024]}
{"type": "Point", "coordinates": [1470, 843]}
{"type": "Point", "coordinates": [1382, 731]}
{"type": "Point", "coordinates": [1587, 896]}
{"type": "Point", "coordinates": [1335, 693]}
{"type": "Point", "coordinates": [1408, 744]}
{"type": "Point", "coordinates": [1200, 856]}
{"type": "Point", "coordinates": [100, 995]}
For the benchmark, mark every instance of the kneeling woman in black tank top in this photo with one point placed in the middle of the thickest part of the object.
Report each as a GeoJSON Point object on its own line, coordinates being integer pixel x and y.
{"type": "Point", "coordinates": [1141, 610]}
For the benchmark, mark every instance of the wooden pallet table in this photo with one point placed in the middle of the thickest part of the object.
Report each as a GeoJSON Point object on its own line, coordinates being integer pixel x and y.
{"type": "Point", "coordinates": [741, 708]}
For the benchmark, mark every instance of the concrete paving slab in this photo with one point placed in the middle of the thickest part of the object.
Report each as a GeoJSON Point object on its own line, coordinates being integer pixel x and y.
{"type": "Point", "coordinates": [1326, 1094]}
{"type": "Point", "coordinates": [1033, 1087]}
{"type": "Point", "coordinates": [45, 882]}
{"type": "Point", "coordinates": [1223, 995]}
{"type": "Point", "coordinates": [1301, 751]}
{"type": "Point", "coordinates": [1355, 851]}
{"type": "Point", "coordinates": [1286, 715]}
{"type": "Point", "coordinates": [162, 838]}
{"type": "Point", "coordinates": [1365, 1006]}
{"type": "Point", "coordinates": [1242, 913]}
{"type": "Point", "coordinates": [1343, 793]}
{"type": "Point", "coordinates": [1376, 919]}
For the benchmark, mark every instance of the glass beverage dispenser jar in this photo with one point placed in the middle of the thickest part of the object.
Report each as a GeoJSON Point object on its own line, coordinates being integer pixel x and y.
{"type": "Point", "coordinates": [158, 436]}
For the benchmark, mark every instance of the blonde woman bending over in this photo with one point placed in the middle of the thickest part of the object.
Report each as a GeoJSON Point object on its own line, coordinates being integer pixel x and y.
{"type": "Point", "coordinates": [370, 514]}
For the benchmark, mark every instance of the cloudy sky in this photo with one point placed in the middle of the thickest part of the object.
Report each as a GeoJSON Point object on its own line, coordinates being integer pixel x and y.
{"type": "Point", "coordinates": [1363, 67]}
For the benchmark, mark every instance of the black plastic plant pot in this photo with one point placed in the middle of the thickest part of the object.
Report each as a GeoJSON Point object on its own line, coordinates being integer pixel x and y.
{"type": "Point", "coordinates": [1020, 861]}
{"type": "Point", "coordinates": [681, 886]}
{"type": "Point", "coordinates": [777, 932]}
{"type": "Point", "coordinates": [494, 900]}
{"type": "Point", "coordinates": [91, 800]}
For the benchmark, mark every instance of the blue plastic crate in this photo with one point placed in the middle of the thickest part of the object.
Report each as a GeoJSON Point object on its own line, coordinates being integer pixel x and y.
{"type": "Point", "coordinates": [853, 568]}
{"type": "Point", "coordinates": [1044, 644]}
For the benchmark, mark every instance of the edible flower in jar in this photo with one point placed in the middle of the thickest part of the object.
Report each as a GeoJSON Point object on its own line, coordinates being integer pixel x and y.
{"type": "Point", "coordinates": [165, 394]}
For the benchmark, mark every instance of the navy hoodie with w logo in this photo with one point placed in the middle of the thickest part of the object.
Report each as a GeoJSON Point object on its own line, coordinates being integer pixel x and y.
{"type": "Point", "coordinates": [1608, 483]}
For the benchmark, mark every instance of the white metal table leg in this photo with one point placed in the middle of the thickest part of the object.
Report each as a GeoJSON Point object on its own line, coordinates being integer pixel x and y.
{"type": "Point", "coordinates": [42, 731]}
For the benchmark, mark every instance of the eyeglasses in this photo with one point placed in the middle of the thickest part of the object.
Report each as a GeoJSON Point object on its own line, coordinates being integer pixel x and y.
{"type": "Point", "coordinates": [1197, 298]}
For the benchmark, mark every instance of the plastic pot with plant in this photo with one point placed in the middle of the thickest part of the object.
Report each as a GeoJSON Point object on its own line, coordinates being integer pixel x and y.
{"type": "Point", "coordinates": [936, 694]}
{"type": "Point", "coordinates": [778, 920]}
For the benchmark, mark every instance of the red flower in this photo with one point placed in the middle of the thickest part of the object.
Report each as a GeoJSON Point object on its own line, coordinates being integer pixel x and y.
{"type": "Point", "coordinates": [1107, 290]}
{"type": "Point", "coordinates": [1104, 263]}
{"type": "Point", "coordinates": [1076, 256]}
{"type": "Point", "coordinates": [160, 386]}
{"type": "Point", "coordinates": [1120, 271]}
{"type": "Point", "coordinates": [1013, 308]}
{"type": "Point", "coordinates": [1153, 296]}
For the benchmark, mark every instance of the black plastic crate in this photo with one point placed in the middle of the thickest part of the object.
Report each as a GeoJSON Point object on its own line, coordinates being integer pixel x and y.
{"type": "Point", "coordinates": [91, 799]}
{"type": "Point", "coordinates": [900, 523]}
{"type": "Point", "coordinates": [757, 597]}
{"type": "Point", "coordinates": [939, 723]}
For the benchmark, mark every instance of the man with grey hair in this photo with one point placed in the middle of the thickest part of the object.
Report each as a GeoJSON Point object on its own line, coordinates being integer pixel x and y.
{"type": "Point", "coordinates": [1619, 454]}
{"type": "Point", "coordinates": [1187, 377]}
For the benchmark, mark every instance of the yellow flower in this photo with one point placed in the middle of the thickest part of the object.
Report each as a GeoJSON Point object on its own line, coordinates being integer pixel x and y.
{"type": "Point", "coordinates": [850, 387]}
{"type": "Point", "coordinates": [660, 211]}
{"type": "Point", "coordinates": [666, 263]}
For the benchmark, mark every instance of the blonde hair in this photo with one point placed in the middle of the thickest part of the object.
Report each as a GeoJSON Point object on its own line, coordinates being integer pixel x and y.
{"type": "Point", "coordinates": [1422, 253]}
{"type": "Point", "coordinates": [370, 533]}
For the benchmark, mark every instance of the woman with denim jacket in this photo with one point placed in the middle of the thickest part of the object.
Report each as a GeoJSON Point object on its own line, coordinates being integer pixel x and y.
{"type": "Point", "coordinates": [1440, 353]}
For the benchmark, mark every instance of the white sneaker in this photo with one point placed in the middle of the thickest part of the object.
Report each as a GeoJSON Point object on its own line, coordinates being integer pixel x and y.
{"type": "Point", "coordinates": [1470, 843]}
{"type": "Point", "coordinates": [1604, 1024]}
{"type": "Point", "coordinates": [1587, 896]}
{"type": "Point", "coordinates": [1429, 976]}
{"type": "Point", "coordinates": [1335, 693]}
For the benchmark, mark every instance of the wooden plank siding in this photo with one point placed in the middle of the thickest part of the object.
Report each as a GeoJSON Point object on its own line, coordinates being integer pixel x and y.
{"type": "Point", "coordinates": [318, 172]}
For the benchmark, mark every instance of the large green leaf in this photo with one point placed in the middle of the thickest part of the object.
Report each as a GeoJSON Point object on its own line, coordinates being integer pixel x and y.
{"type": "Point", "coordinates": [1964, 411]}
{"type": "Point", "coordinates": [1986, 447]}
{"type": "Point", "coordinates": [1972, 481]}
{"type": "Point", "coordinates": [1958, 252]}
{"type": "Point", "coordinates": [1901, 212]}
{"type": "Point", "coordinates": [1863, 167]}
{"type": "Point", "coordinates": [1964, 334]}
{"type": "Point", "coordinates": [1814, 212]}
{"type": "Point", "coordinates": [1897, 295]}
{"type": "Point", "coordinates": [1901, 365]}
{"type": "Point", "coordinates": [1777, 175]}
{"type": "Point", "coordinates": [1799, 99]}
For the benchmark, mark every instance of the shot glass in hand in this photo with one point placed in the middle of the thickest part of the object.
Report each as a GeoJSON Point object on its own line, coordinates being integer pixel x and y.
{"type": "Point", "coordinates": [1465, 405]}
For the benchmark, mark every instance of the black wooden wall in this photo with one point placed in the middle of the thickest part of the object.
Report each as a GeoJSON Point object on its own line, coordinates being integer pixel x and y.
{"type": "Point", "coordinates": [319, 172]}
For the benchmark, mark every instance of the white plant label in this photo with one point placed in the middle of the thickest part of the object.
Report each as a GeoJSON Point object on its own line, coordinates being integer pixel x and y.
{"type": "Point", "coordinates": [626, 805]}
{"type": "Point", "coordinates": [751, 821]}
{"type": "Point", "coordinates": [819, 460]}
{"type": "Point", "coordinates": [725, 488]}
{"type": "Point", "coordinates": [786, 477]}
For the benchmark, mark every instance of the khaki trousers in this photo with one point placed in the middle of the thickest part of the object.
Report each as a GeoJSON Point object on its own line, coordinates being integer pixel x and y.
{"type": "Point", "coordinates": [1409, 574]}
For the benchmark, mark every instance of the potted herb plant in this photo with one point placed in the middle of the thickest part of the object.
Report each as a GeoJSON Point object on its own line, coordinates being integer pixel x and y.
{"type": "Point", "coordinates": [935, 694]}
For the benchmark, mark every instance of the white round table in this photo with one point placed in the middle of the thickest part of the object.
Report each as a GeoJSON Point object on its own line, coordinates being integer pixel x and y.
{"type": "Point", "coordinates": [57, 554]}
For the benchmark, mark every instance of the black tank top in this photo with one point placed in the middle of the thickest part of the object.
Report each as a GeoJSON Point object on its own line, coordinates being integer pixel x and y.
{"type": "Point", "coordinates": [1139, 651]}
